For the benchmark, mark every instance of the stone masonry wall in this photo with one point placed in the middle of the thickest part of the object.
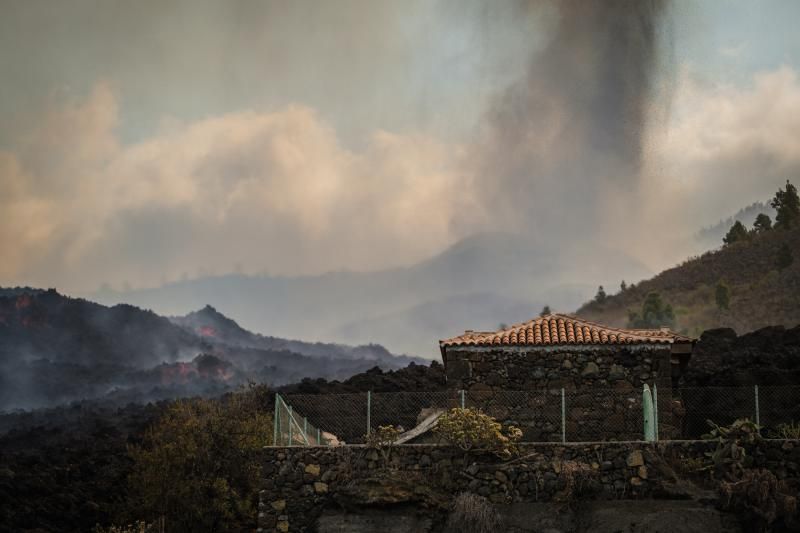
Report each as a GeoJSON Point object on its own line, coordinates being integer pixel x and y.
{"type": "Point", "coordinates": [521, 368]}
{"type": "Point", "coordinates": [602, 385]}
{"type": "Point", "coordinates": [300, 483]}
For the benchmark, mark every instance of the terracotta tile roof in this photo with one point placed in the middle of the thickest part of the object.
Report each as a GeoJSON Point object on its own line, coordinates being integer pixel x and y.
{"type": "Point", "coordinates": [556, 329]}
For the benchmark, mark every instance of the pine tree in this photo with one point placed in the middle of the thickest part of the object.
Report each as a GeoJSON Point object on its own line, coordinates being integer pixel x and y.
{"type": "Point", "coordinates": [762, 224]}
{"type": "Point", "coordinates": [722, 295]}
{"type": "Point", "coordinates": [785, 258]}
{"type": "Point", "coordinates": [623, 286]}
{"type": "Point", "coordinates": [737, 233]}
{"type": "Point", "coordinates": [655, 313]}
{"type": "Point", "coordinates": [787, 204]}
{"type": "Point", "coordinates": [600, 297]}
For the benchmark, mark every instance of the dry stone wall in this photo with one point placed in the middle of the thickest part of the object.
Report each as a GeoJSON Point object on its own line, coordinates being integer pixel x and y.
{"type": "Point", "coordinates": [299, 484]}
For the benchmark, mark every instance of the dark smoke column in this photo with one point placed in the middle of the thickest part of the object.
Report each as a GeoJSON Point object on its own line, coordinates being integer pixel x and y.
{"type": "Point", "coordinates": [571, 130]}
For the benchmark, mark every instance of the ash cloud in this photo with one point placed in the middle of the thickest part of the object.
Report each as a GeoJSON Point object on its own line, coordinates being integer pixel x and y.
{"type": "Point", "coordinates": [424, 125]}
{"type": "Point", "coordinates": [572, 130]}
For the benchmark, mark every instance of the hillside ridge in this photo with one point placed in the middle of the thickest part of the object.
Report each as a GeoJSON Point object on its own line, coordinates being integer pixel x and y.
{"type": "Point", "coordinates": [761, 293]}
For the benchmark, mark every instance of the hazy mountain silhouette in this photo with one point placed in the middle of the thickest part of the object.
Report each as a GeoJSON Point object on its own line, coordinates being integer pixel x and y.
{"type": "Point", "coordinates": [474, 284]}
{"type": "Point", "coordinates": [56, 349]}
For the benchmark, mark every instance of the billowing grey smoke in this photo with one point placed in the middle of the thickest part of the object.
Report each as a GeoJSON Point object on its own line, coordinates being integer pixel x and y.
{"type": "Point", "coordinates": [571, 131]}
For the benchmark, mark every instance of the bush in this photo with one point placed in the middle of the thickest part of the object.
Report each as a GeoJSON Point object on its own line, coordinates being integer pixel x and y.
{"type": "Point", "coordinates": [383, 439]}
{"type": "Point", "coordinates": [755, 494]}
{"type": "Point", "coordinates": [472, 514]}
{"type": "Point", "coordinates": [789, 430]}
{"type": "Point", "coordinates": [471, 429]}
{"type": "Point", "coordinates": [730, 457]}
{"type": "Point", "coordinates": [760, 498]}
{"type": "Point", "coordinates": [578, 478]}
{"type": "Point", "coordinates": [197, 468]}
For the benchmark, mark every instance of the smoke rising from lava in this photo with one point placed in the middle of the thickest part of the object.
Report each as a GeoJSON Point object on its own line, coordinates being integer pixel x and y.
{"type": "Point", "coordinates": [377, 141]}
{"type": "Point", "coordinates": [571, 131]}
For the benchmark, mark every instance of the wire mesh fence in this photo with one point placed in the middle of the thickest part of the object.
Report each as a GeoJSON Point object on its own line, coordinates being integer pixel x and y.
{"type": "Point", "coordinates": [768, 406]}
{"type": "Point", "coordinates": [554, 415]}
{"type": "Point", "coordinates": [293, 428]}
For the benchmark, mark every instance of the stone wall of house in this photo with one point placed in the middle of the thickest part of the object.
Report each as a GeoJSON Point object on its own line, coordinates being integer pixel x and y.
{"type": "Point", "coordinates": [301, 484]}
{"type": "Point", "coordinates": [522, 368]}
{"type": "Point", "coordinates": [602, 387]}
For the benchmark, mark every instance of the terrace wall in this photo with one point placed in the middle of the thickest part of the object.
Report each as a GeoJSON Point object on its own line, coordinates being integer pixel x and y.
{"type": "Point", "coordinates": [301, 483]}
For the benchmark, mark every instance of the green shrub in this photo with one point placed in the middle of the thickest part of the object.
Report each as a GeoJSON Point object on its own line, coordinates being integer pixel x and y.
{"type": "Point", "coordinates": [473, 430]}
{"type": "Point", "coordinates": [198, 467]}
{"type": "Point", "coordinates": [790, 430]}
{"type": "Point", "coordinates": [383, 439]}
{"type": "Point", "coordinates": [730, 456]}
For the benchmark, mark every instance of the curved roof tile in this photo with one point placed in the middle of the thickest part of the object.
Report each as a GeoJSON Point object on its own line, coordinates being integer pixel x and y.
{"type": "Point", "coordinates": [557, 329]}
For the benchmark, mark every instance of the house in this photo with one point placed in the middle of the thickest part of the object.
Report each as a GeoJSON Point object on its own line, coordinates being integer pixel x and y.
{"type": "Point", "coordinates": [598, 369]}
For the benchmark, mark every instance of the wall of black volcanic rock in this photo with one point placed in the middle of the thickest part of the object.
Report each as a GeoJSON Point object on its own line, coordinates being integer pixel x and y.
{"type": "Point", "coordinates": [768, 356]}
{"type": "Point", "coordinates": [300, 483]}
{"type": "Point", "coordinates": [602, 387]}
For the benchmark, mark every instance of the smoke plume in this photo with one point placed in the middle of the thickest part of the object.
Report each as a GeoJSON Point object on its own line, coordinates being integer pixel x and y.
{"type": "Point", "coordinates": [571, 131]}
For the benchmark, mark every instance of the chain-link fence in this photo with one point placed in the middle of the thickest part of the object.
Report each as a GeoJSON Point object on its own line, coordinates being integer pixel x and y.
{"type": "Point", "coordinates": [555, 415]}
{"type": "Point", "coordinates": [292, 428]}
{"type": "Point", "coordinates": [768, 406]}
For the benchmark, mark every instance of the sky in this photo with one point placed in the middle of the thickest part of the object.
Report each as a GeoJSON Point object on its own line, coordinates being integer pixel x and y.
{"type": "Point", "coordinates": [146, 142]}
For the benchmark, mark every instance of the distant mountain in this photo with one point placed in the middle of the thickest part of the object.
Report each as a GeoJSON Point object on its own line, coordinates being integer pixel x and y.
{"type": "Point", "coordinates": [56, 349]}
{"type": "Point", "coordinates": [761, 294]}
{"type": "Point", "coordinates": [215, 327]}
{"type": "Point", "coordinates": [473, 284]}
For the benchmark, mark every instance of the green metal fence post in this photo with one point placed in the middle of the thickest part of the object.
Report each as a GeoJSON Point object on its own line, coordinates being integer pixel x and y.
{"type": "Point", "coordinates": [277, 422]}
{"type": "Point", "coordinates": [563, 416]}
{"type": "Point", "coordinates": [369, 411]}
{"type": "Point", "coordinates": [758, 414]}
{"type": "Point", "coordinates": [463, 402]}
{"type": "Point", "coordinates": [319, 440]}
{"type": "Point", "coordinates": [655, 410]}
{"type": "Point", "coordinates": [647, 413]}
{"type": "Point", "coordinates": [291, 418]}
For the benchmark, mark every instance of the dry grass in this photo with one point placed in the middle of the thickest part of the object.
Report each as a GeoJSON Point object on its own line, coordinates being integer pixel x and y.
{"type": "Point", "coordinates": [472, 514]}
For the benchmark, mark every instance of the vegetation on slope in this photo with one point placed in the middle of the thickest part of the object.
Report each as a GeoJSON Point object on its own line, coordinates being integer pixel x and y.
{"type": "Point", "coordinates": [753, 281]}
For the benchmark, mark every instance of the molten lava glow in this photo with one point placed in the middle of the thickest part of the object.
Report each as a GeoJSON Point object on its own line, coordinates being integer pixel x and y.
{"type": "Point", "coordinates": [180, 373]}
{"type": "Point", "coordinates": [23, 301]}
{"type": "Point", "coordinates": [207, 331]}
{"type": "Point", "coordinates": [183, 373]}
